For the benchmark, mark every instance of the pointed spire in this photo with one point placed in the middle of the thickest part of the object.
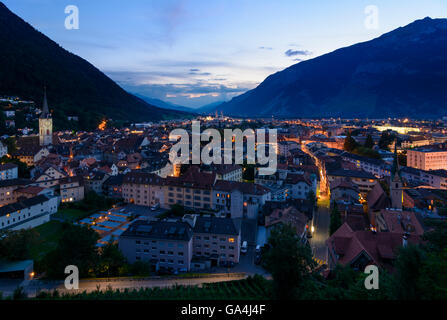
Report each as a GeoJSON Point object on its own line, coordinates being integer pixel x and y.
{"type": "Point", "coordinates": [45, 111]}
{"type": "Point", "coordinates": [395, 169]}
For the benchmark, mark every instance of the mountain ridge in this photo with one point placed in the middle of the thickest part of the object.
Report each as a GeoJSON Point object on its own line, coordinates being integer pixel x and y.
{"type": "Point", "coordinates": [397, 74]}
{"type": "Point", "coordinates": [31, 60]}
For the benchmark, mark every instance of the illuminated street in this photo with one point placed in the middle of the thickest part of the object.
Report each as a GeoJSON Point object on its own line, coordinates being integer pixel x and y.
{"type": "Point", "coordinates": [321, 230]}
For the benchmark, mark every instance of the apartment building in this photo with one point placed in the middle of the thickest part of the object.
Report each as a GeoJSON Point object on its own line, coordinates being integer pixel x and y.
{"type": "Point", "coordinates": [363, 180]}
{"type": "Point", "coordinates": [28, 212]}
{"type": "Point", "coordinates": [433, 157]}
{"type": "Point", "coordinates": [216, 239]}
{"type": "Point", "coordinates": [8, 171]}
{"type": "Point", "coordinates": [375, 167]}
{"type": "Point", "coordinates": [239, 199]}
{"type": "Point", "coordinates": [144, 189]}
{"type": "Point", "coordinates": [193, 189]}
{"type": "Point", "coordinates": [166, 244]}
{"type": "Point", "coordinates": [415, 142]}
{"type": "Point", "coordinates": [71, 189]}
{"type": "Point", "coordinates": [31, 154]}
{"type": "Point", "coordinates": [435, 178]}
{"type": "Point", "coordinates": [7, 188]}
{"type": "Point", "coordinates": [228, 172]}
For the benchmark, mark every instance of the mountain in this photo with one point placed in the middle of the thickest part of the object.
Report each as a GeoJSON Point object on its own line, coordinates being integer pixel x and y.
{"type": "Point", "coordinates": [401, 73]}
{"type": "Point", "coordinates": [163, 104]}
{"type": "Point", "coordinates": [29, 60]}
{"type": "Point", "coordinates": [210, 107]}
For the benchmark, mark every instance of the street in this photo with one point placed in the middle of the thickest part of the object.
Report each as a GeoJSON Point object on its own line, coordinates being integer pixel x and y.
{"type": "Point", "coordinates": [103, 284]}
{"type": "Point", "coordinates": [321, 223]}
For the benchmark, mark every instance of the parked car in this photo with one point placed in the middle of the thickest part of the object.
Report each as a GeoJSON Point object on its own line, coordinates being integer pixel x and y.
{"type": "Point", "coordinates": [244, 247]}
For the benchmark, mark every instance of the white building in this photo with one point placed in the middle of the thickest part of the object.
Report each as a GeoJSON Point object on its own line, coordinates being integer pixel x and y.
{"type": "Point", "coordinates": [28, 213]}
{"type": "Point", "coordinates": [8, 171]}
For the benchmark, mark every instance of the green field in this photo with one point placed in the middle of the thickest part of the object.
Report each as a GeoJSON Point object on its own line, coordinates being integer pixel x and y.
{"type": "Point", "coordinates": [71, 214]}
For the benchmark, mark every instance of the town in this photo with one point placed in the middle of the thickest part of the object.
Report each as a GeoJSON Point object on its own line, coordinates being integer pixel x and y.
{"type": "Point", "coordinates": [353, 191]}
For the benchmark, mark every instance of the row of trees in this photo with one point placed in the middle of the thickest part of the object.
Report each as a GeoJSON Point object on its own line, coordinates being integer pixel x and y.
{"type": "Point", "coordinates": [419, 271]}
{"type": "Point", "coordinates": [365, 150]}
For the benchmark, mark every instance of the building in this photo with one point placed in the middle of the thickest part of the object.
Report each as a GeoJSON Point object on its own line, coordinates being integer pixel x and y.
{"type": "Point", "coordinates": [287, 215]}
{"type": "Point", "coordinates": [365, 181]}
{"type": "Point", "coordinates": [113, 186]}
{"type": "Point", "coordinates": [8, 171]}
{"type": "Point", "coordinates": [196, 190]}
{"type": "Point", "coordinates": [45, 124]}
{"type": "Point", "coordinates": [144, 189]}
{"type": "Point", "coordinates": [239, 199]}
{"type": "Point", "coordinates": [94, 181]}
{"type": "Point", "coordinates": [3, 149]}
{"type": "Point", "coordinates": [164, 244]}
{"type": "Point", "coordinates": [32, 191]}
{"type": "Point", "coordinates": [28, 212]}
{"type": "Point", "coordinates": [7, 188]}
{"type": "Point", "coordinates": [30, 155]}
{"type": "Point", "coordinates": [433, 157]}
{"type": "Point", "coordinates": [375, 167]}
{"type": "Point", "coordinates": [344, 190]}
{"type": "Point", "coordinates": [360, 248]}
{"type": "Point", "coordinates": [216, 239]}
{"type": "Point", "coordinates": [415, 142]}
{"type": "Point", "coordinates": [71, 189]}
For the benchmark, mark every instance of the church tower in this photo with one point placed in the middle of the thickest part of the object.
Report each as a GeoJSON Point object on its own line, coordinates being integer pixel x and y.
{"type": "Point", "coordinates": [45, 124]}
{"type": "Point", "coordinates": [396, 185]}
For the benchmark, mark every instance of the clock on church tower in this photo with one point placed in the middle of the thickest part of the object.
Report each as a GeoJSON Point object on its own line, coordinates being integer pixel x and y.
{"type": "Point", "coordinates": [45, 124]}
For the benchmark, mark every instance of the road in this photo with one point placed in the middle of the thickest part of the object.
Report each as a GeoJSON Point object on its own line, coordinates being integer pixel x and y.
{"type": "Point", "coordinates": [321, 224]}
{"type": "Point", "coordinates": [92, 285]}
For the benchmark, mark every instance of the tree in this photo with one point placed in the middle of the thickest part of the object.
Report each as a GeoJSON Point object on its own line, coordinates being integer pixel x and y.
{"type": "Point", "coordinates": [350, 144]}
{"type": "Point", "coordinates": [16, 245]}
{"type": "Point", "coordinates": [288, 260]}
{"type": "Point", "coordinates": [386, 139]}
{"type": "Point", "coordinates": [369, 143]}
{"type": "Point", "coordinates": [77, 246]}
{"type": "Point", "coordinates": [335, 222]}
{"type": "Point", "coordinates": [111, 261]}
{"type": "Point", "coordinates": [407, 272]}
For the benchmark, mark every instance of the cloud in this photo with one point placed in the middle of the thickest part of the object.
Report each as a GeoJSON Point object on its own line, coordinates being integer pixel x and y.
{"type": "Point", "coordinates": [196, 72]}
{"type": "Point", "coordinates": [265, 48]}
{"type": "Point", "coordinates": [193, 94]}
{"type": "Point", "coordinates": [292, 53]}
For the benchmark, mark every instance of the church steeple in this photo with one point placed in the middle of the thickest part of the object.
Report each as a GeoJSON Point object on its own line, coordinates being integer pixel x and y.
{"type": "Point", "coordinates": [395, 168]}
{"type": "Point", "coordinates": [45, 112]}
{"type": "Point", "coordinates": [45, 123]}
{"type": "Point", "coordinates": [396, 185]}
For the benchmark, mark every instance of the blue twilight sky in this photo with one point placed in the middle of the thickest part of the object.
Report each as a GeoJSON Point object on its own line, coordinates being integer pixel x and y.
{"type": "Point", "coordinates": [194, 52]}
